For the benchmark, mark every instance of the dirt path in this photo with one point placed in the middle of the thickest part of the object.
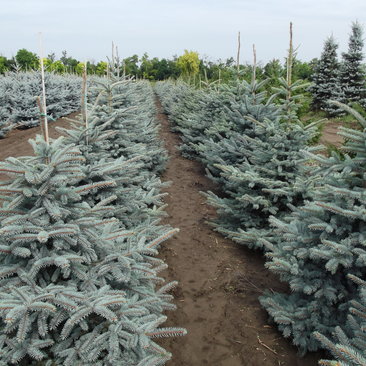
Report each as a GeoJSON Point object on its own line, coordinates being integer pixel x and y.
{"type": "Point", "coordinates": [16, 142]}
{"type": "Point", "coordinates": [219, 281]}
{"type": "Point", "coordinates": [330, 135]}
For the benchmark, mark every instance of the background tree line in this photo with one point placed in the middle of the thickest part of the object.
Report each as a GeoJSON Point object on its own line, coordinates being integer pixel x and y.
{"type": "Point", "coordinates": [145, 67]}
{"type": "Point", "coordinates": [344, 80]}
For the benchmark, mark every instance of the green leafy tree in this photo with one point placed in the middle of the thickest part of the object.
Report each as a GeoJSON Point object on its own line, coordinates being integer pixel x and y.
{"type": "Point", "coordinates": [3, 64]}
{"type": "Point", "coordinates": [58, 67]}
{"type": "Point", "coordinates": [69, 62]}
{"type": "Point", "coordinates": [146, 67]}
{"type": "Point", "coordinates": [101, 68]}
{"type": "Point", "coordinates": [27, 60]}
{"type": "Point", "coordinates": [52, 57]}
{"type": "Point", "coordinates": [131, 65]}
{"type": "Point", "coordinates": [46, 63]}
{"type": "Point", "coordinates": [79, 69]}
{"type": "Point", "coordinates": [302, 70]}
{"type": "Point", "coordinates": [161, 69]}
{"type": "Point", "coordinates": [189, 63]}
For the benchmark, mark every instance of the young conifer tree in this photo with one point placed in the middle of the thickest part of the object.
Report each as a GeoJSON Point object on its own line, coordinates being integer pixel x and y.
{"type": "Point", "coordinates": [76, 287]}
{"type": "Point", "coordinates": [326, 83]}
{"type": "Point", "coordinates": [268, 181]}
{"type": "Point", "coordinates": [255, 160]}
{"type": "Point", "coordinates": [257, 166]}
{"type": "Point", "coordinates": [137, 190]}
{"type": "Point", "coordinates": [19, 90]}
{"type": "Point", "coordinates": [320, 243]}
{"type": "Point", "coordinates": [349, 348]}
{"type": "Point", "coordinates": [183, 104]}
{"type": "Point", "coordinates": [244, 103]}
{"type": "Point", "coordinates": [136, 124]}
{"type": "Point", "coordinates": [353, 74]}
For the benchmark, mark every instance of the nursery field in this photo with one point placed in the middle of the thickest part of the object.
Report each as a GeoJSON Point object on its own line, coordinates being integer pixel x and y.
{"type": "Point", "coordinates": [215, 203]}
{"type": "Point", "coordinates": [185, 221]}
{"type": "Point", "coordinates": [219, 281]}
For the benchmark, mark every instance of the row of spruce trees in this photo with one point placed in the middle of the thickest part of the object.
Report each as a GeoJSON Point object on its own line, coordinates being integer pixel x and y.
{"type": "Point", "coordinates": [304, 210]}
{"type": "Point", "coordinates": [79, 234]}
{"type": "Point", "coordinates": [18, 98]}
{"type": "Point", "coordinates": [343, 81]}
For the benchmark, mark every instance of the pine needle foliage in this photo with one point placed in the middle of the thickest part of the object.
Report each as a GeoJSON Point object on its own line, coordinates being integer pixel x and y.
{"type": "Point", "coordinates": [137, 188]}
{"type": "Point", "coordinates": [79, 277]}
{"type": "Point", "coordinates": [254, 159]}
{"type": "Point", "coordinates": [75, 287]}
{"type": "Point", "coordinates": [136, 127]}
{"type": "Point", "coordinates": [326, 83]}
{"type": "Point", "coordinates": [319, 244]}
{"type": "Point", "coordinates": [349, 350]}
{"type": "Point", "coordinates": [352, 74]}
{"type": "Point", "coordinates": [18, 93]}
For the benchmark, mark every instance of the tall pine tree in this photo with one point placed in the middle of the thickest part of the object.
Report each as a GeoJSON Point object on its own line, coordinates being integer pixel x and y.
{"type": "Point", "coordinates": [326, 83]}
{"type": "Point", "coordinates": [353, 75]}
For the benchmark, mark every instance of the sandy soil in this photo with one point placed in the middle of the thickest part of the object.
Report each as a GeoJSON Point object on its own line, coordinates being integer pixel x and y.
{"type": "Point", "coordinates": [16, 142]}
{"type": "Point", "coordinates": [330, 136]}
{"type": "Point", "coordinates": [219, 281]}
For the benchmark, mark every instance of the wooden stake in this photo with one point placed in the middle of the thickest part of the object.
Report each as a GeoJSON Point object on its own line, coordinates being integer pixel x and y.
{"type": "Point", "coordinates": [238, 54]}
{"type": "Point", "coordinates": [84, 101]}
{"type": "Point", "coordinates": [117, 62]}
{"type": "Point", "coordinates": [113, 61]}
{"type": "Point", "coordinates": [289, 63]}
{"type": "Point", "coordinates": [254, 63]}
{"type": "Point", "coordinates": [44, 107]}
{"type": "Point", "coordinates": [41, 116]}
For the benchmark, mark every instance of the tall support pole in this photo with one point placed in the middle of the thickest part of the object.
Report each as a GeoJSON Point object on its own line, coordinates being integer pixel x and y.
{"type": "Point", "coordinates": [84, 111]}
{"type": "Point", "coordinates": [238, 54]}
{"type": "Point", "coordinates": [254, 63]}
{"type": "Point", "coordinates": [289, 63]}
{"type": "Point", "coordinates": [44, 107]}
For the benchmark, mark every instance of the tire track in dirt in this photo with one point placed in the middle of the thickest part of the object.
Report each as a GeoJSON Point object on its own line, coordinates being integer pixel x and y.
{"type": "Point", "coordinates": [219, 281]}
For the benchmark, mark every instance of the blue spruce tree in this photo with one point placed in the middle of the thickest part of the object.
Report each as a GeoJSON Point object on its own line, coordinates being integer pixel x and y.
{"type": "Point", "coordinates": [326, 83]}
{"type": "Point", "coordinates": [353, 74]}
{"type": "Point", "coordinates": [76, 288]}
{"type": "Point", "coordinates": [137, 188]}
{"type": "Point", "coordinates": [320, 243]}
{"type": "Point", "coordinates": [349, 345]}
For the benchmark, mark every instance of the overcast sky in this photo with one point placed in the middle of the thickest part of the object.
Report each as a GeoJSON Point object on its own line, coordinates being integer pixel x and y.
{"type": "Point", "coordinates": [163, 28]}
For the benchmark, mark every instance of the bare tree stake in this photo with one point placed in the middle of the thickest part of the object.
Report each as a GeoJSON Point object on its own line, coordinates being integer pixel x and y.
{"type": "Point", "coordinates": [44, 108]}
{"type": "Point", "coordinates": [238, 54]}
